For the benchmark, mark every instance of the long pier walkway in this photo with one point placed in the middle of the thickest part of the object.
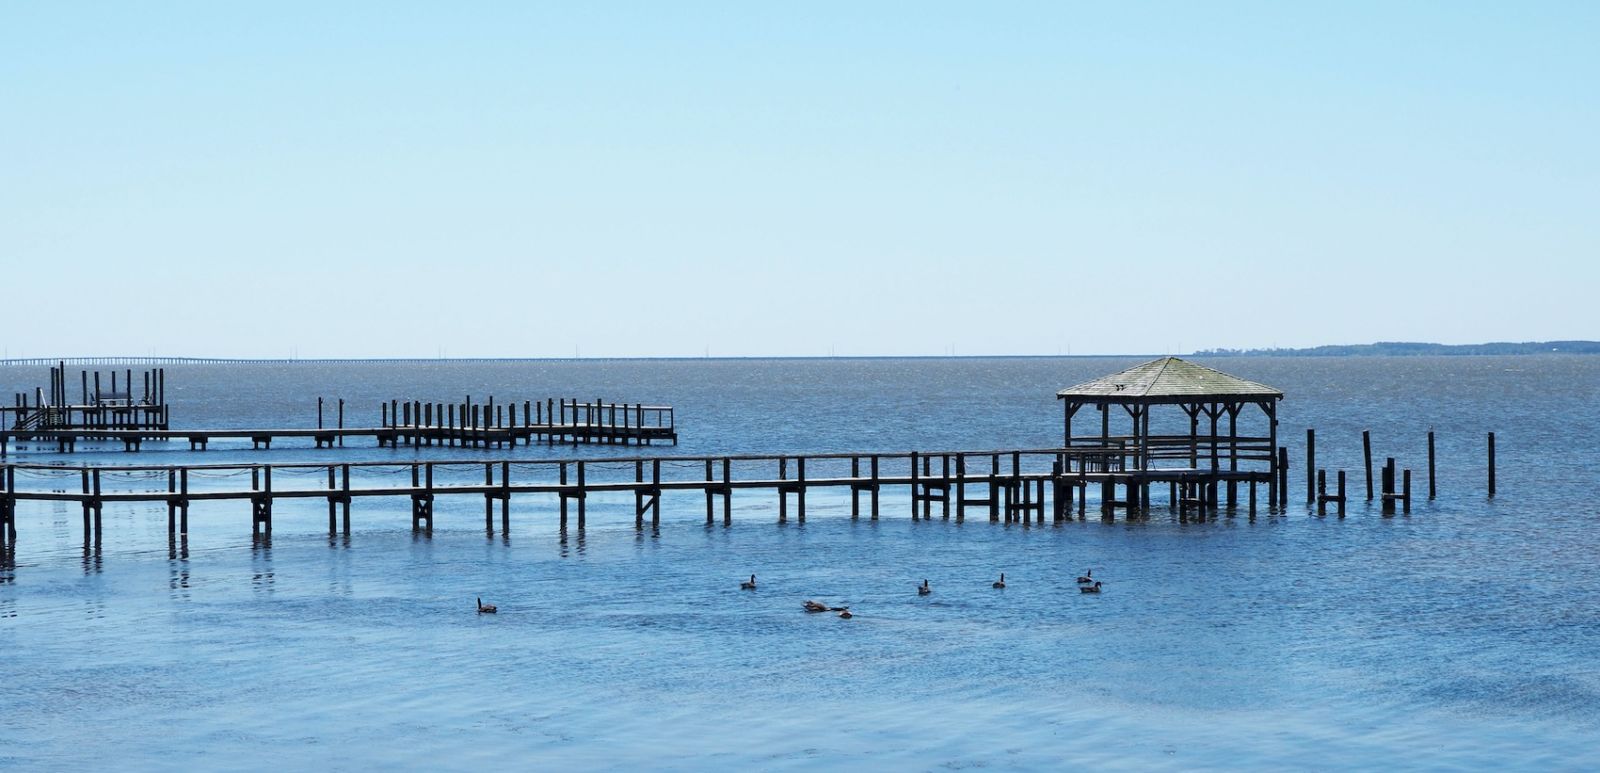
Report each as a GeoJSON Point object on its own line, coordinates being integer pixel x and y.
{"type": "Point", "coordinates": [1015, 485]}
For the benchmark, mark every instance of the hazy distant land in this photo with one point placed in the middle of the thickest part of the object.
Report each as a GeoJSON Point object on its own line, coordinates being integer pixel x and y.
{"type": "Point", "coordinates": [1382, 348]}
{"type": "Point", "coordinates": [1407, 348]}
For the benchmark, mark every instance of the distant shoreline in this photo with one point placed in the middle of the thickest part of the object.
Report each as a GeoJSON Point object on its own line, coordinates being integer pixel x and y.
{"type": "Point", "coordinates": [1381, 349]}
{"type": "Point", "coordinates": [1413, 349]}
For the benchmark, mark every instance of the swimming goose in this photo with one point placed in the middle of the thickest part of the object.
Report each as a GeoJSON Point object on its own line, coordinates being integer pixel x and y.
{"type": "Point", "coordinates": [1088, 577]}
{"type": "Point", "coordinates": [844, 613]}
{"type": "Point", "coordinates": [751, 585]}
{"type": "Point", "coordinates": [812, 606]}
{"type": "Point", "coordinates": [1095, 588]}
{"type": "Point", "coordinates": [486, 609]}
{"type": "Point", "coordinates": [1001, 583]}
{"type": "Point", "coordinates": [923, 589]}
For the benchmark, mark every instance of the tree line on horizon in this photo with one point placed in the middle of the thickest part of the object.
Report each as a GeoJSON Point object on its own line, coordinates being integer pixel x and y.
{"type": "Point", "coordinates": [1410, 348]}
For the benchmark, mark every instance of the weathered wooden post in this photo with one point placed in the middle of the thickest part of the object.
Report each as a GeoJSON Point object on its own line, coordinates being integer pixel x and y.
{"type": "Point", "coordinates": [583, 497]}
{"type": "Point", "coordinates": [710, 496]}
{"type": "Point", "coordinates": [961, 488]}
{"type": "Point", "coordinates": [488, 498]}
{"type": "Point", "coordinates": [855, 488]}
{"type": "Point", "coordinates": [99, 506]}
{"type": "Point", "coordinates": [994, 488]}
{"type": "Point", "coordinates": [800, 491]}
{"type": "Point", "coordinates": [1366, 453]}
{"type": "Point", "coordinates": [874, 470]}
{"type": "Point", "coordinates": [1283, 478]}
{"type": "Point", "coordinates": [1341, 493]}
{"type": "Point", "coordinates": [1388, 486]}
{"type": "Point", "coordinates": [172, 503]}
{"type": "Point", "coordinates": [333, 504]}
{"type": "Point", "coordinates": [783, 492]}
{"type": "Point", "coordinates": [1433, 490]}
{"type": "Point", "coordinates": [344, 474]}
{"type": "Point", "coordinates": [1056, 489]}
{"type": "Point", "coordinates": [505, 499]}
{"type": "Point", "coordinates": [1491, 465]}
{"type": "Point", "coordinates": [944, 480]}
{"type": "Point", "coordinates": [1311, 464]}
{"type": "Point", "coordinates": [563, 496]}
{"type": "Point", "coordinates": [638, 496]}
{"type": "Point", "coordinates": [655, 493]}
{"type": "Point", "coordinates": [915, 485]}
{"type": "Point", "coordinates": [727, 490]}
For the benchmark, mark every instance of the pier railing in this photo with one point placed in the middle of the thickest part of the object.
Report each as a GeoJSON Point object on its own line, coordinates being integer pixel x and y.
{"type": "Point", "coordinates": [555, 419]}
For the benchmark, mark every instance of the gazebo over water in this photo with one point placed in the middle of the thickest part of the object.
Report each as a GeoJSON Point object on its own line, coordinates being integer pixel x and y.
{"type": "Point", "coordinates": [1200, 458]}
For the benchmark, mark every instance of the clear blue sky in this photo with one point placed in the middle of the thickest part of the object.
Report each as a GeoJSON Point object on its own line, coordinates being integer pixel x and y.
{"type": "Point", "coordinates": [390, 179]}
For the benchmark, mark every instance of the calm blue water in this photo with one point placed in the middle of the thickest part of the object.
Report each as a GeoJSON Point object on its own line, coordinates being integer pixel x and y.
{"type": "Point", "coordinates": [1462, 636]}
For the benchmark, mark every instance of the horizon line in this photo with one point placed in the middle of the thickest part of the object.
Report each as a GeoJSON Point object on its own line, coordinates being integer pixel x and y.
{"type": "Point", "coordinates": [1213, 352]}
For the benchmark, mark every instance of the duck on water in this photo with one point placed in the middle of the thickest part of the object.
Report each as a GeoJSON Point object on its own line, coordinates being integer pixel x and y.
{"type": "Point", "coordinates": [817, 606]}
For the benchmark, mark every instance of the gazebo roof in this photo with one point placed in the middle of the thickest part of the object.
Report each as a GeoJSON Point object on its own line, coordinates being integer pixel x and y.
{"type": "Point", "coordinates": [1169, 380]}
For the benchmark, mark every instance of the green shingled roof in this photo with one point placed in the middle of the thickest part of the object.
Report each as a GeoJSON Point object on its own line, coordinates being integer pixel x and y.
{"type": "Point", "coordinates": [1168, 380]}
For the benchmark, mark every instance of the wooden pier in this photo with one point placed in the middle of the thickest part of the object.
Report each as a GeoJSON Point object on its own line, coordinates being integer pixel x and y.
{"type": "Point", "coordinates": [465, 424]}
{"type": "Point", "coordinates": [1014, 486]}
{"type": "Point", "coordinates": [1115, 472]}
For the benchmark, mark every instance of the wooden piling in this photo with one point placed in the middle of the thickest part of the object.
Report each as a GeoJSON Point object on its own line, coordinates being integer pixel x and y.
{"type": "Point", "coordinates": [1388, 487]}
{"type": "Point", "coordinates": [800, 492]}
{"type": "Point", "coordinates": [855, 490]}
{"type": "Point", "coordinates": [488, 500]}
{"type": "Point", "coordinates": [961, 488]}
{"type": "Point", "coordinates": [583, 497]}
{"type": "Point", "coordinates": [1311, 464]}
{"type": "Point", "coordinates": [1366, 454]}
{"type": "Point", "coordinates": [783, 490]}
{"type": "Point", "coordinates": [1433, 490]}
{"type": "Point", "coordinates": [333, 504]}
{"type": "Point", "coordinates": [344, 474]}
{"type": "Point", "coordinates": [1491, 465]}
{"type": "Point", "coordinates": [711, 497]}
{"type": "Point", "coordinates": [563, 496]}
{"type": "Point", "coordinates": [874, 469]}
{"type": "Point", "coordinates": [916, 487]}
{"type": "Point", "coordinates": [1283, 478]}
